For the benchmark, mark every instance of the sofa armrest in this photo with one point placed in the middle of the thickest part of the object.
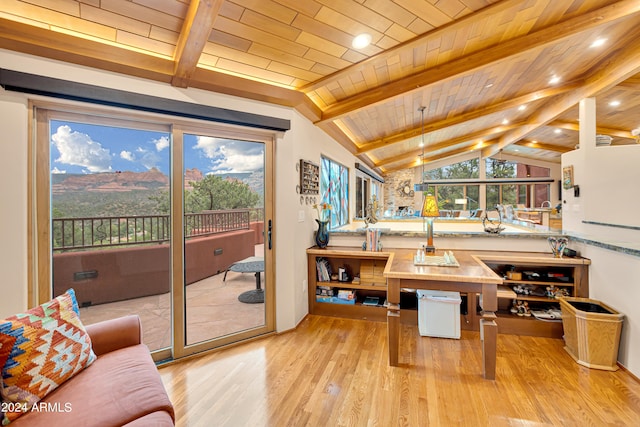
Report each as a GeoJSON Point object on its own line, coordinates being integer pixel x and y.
{"type": "Point", "coordinates": [114, 334]}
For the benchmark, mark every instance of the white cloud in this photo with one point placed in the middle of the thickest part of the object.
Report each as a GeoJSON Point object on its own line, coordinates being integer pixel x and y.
{"type": "Point", "coordinates": [161, 143]}
{"type": "Point", "coordinates": [79, 149]}
{"type": "Point", "coordinates": [148, 159]}
{"type": "Point", "coordinates": [228, 156]}
{"type": "Point", "coordinates": [208, 145]}
{"type": "Point", "coordinates": [56, 170]}
{"type": "Point", "coordinates": [127, 155]}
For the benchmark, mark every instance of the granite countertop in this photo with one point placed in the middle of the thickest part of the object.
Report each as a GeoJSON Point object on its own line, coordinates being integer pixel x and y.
{"type": "Point", "coordinates": [537, 231]}
{"type": "Point", "coordinates": [626, 247]}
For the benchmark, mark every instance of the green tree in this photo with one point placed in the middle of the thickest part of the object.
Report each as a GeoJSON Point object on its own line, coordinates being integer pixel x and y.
{"type": "Point", "coordinates": [500, 193]}
{"type": "Point", "coordinates": [212, 193]}
{"type": "Point", "coordinates": [162, 201]}
{"type": "Point", "coordinates": [217, 193]}
{"type": "Point", "coordinates": [447, 194]}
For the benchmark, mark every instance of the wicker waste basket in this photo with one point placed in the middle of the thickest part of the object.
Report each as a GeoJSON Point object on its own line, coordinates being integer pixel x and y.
{"type": "Point", "coordinates": [591, 332]}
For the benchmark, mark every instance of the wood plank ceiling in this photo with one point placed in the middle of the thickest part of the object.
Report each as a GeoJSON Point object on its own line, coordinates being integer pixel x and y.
{"type": "Point", "coordinates": [481, 68]}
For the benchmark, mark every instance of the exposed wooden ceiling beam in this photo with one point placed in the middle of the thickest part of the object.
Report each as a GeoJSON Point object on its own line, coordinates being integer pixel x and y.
{"type": "Point", "coordinates": [490, 132]}
{"type": "Point", "coordinates": [619, 66]}
{"type": "Point", "coordinates": [336, 133]}
{"type": "Point", "coordinates": [544, 146]}
{"type": "Point", "coordinates": [466, 149]}
{"type": "Point", "coordinates": [467, 116]}
{"type": "Point", "coordinates": [467, 63]}
{"type": "Point", "coordinates": [599, 129]}
{"type": "Point", "coordinates": [38, 41]}
{"type": "Point", "coordinates": [193, 37]}
{"type": "Point", "coordinates": [464, 22]}
{"type": "Point", "coordinates": [41, 42]}
{"type": "Point", "coordinates": [632, 83]}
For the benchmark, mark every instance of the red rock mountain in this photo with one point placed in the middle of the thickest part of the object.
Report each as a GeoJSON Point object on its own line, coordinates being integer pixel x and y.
{"type": "Point", "coordinates": [119, 181]}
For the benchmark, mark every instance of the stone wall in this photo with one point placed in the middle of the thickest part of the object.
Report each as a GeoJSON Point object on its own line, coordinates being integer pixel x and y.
{"type": "Point", "coordinates": [394, 197]}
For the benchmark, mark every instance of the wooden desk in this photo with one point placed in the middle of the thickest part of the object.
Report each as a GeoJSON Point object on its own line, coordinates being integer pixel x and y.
{"type": "Point", "coordinates": [472, 276]}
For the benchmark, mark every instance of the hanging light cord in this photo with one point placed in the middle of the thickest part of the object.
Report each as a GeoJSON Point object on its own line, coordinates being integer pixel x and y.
{"type": "Point", "coordinates": [422, 143]}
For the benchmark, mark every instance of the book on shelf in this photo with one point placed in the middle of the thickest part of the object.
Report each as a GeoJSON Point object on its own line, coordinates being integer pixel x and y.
{"type": "Point", "coordinates": [324, 292]}
{"type": "Point", "coordinates": [346, 294]}
{"type": "Point", "coordinates": [334, 300]}
{"type": "Point", "coordinates": [371, 301]}
{"type": "Point", "coordinates": [323, 269]}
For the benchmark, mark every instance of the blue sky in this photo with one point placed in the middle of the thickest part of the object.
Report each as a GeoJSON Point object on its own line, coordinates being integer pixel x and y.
{"type": "Point", "coordinates": [86, 148]}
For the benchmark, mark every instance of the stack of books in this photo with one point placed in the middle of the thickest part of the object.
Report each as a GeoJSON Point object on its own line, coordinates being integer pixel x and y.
{"type": "Point", "coordinates": [371, 301]}
{"type": "Point", "coordinates": [324, 270]}
{"type": "Point", "coordinates": [373, 240]}
{"type": "Point", "coordinates": [343, 296]}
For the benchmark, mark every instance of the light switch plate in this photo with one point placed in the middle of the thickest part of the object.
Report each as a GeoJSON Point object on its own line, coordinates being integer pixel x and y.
{"type": "Point", "coordinates": [301, 215]}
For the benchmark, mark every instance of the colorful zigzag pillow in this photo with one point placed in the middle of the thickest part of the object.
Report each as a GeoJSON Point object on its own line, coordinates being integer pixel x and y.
{"type": "Point", "coordinates": [39, 350]}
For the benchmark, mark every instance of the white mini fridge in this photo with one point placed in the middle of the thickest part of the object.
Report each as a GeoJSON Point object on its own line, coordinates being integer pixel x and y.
{"type": "Point", "coordinates": [439, 313]}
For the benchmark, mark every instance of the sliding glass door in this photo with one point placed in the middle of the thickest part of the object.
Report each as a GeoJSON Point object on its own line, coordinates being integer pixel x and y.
{"type": "Point", "coordinates": [163, 219]}
{"type": "Point", "coordinates": [224, 241]}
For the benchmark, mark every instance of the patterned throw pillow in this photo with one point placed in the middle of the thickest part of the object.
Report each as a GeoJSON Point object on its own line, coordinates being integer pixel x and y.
{"type": "Point", "coordinates": [39, 350]}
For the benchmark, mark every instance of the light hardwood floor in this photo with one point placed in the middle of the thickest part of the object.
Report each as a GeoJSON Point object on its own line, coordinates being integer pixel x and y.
{"type": "Point", "coordinates": [334, 372]}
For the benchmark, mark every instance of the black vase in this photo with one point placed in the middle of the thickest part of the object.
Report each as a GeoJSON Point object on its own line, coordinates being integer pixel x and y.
{"type": "Point", "coordinates": [322, 234]}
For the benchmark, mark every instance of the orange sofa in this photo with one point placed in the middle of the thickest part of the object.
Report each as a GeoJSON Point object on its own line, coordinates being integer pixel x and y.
{"type": "Point", "coordinates": [121, 388]}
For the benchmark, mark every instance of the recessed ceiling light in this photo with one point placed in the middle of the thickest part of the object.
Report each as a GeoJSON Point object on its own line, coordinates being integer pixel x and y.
{"type": "Point", "coordinates": [614, 103]}
{"type": "Point", "coordinates": [534, 142]}
{"type": "Point", "coordinates": [522, 107]}
{"type": "Point", "coordinates": [361, 41]}
{"type": "Point", "coordinates": [557, 131]}
{"type": "Point", "coordinates": [505, 121]}
{"type": "Point", "coordinates": [555, 79]}
{"type": "Point", "coordinates": [598, 42]}
{"type": "Point", "coordinates": [488, 85]}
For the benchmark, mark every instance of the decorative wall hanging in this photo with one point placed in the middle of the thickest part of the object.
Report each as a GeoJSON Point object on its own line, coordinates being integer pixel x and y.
{"type": "Point", "coordinates": [309, 177]}
{"type": "Point", "coordinates": [404, 189]}
{"type": "Point", "coordinates": [567, 177]}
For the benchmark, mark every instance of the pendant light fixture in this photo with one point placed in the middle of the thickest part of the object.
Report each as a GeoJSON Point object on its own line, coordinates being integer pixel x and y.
{"type": "Point", "coordinates": [422, 186]}
{"type": "Point", "coordinates": [429, 201]}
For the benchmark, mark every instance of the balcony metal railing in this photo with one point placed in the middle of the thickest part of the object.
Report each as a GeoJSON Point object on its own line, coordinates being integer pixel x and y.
{"type": "Point", "coordinates": [94, 232]}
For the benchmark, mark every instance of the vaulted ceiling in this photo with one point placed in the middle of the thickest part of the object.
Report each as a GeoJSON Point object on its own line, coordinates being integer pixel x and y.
{"type": "Point", "coordinates": [482, 69]}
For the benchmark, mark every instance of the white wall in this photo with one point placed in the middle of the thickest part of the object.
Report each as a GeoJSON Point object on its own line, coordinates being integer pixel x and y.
{"type": "Point", "coordinates": [613, 279]}
{"type": "Point", "coordinates": [304, 140]}
{"type": "Point", "coordinates": [613, 275]}
{"type": "Point", "coordinates": [296, 221]}
{"type": "Point", "coordinates": [13, 203]}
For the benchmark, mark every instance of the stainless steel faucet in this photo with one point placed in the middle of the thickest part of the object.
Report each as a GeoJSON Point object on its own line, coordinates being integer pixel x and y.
{"type": "Point", "coordinates": [548, 202]}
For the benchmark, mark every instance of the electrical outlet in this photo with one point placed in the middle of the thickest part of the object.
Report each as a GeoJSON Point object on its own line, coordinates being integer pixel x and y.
{"type": "Point", "coordinates": [300, 215]}
{"type": "Point", "coordinates": [304, 285]}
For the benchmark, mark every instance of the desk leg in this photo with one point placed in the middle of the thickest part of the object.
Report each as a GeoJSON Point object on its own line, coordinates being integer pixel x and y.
{"type": "Point", "coordinates": [489, 337]}
{"type": "Point", "coordinates": [489, 330]}
{"type": "Point", "coordinates": [393, 319]}
{"type": "Point", "coordinates": [393, 332]}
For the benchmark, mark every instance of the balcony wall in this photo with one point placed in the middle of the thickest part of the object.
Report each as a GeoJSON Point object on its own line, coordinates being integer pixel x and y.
{"type": "Point", "coordinates": [258, 229]}
{"type": "Point", "coordinates": [137, 271]}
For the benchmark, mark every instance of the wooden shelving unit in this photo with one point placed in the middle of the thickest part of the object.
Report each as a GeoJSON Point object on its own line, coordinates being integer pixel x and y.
{"type": "Point", "coordinates": [369, 266]}
{"type": "Point", "coordinates": [351, 259]}
{"type": "Point", "coordinates": [574, 272]}
{"type": "Point", "coordinates": [356, 261]}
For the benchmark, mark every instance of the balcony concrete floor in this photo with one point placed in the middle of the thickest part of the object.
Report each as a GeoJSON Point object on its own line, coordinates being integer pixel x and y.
{"type": "Point", "coordinates": [213, 310]}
